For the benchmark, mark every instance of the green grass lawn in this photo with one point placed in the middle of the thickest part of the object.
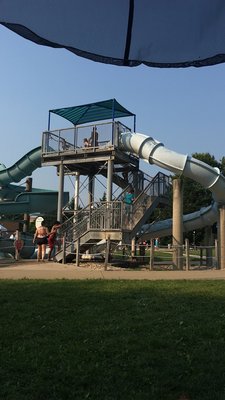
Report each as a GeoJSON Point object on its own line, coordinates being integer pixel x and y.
{"type": "Point", "coordinates": [112, 340]}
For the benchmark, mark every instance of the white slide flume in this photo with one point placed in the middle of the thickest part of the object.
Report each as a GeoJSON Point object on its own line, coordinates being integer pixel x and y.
{"type": "Point", "coordinates": [210, 178]}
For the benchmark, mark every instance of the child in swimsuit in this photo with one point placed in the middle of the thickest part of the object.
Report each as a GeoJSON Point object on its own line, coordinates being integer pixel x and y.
{"type": "Point", "coordinates": [52, 238]}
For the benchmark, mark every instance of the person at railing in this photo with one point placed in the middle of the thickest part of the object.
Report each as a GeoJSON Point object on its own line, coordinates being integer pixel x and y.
{"type": "Point", "coordinates": [142, 248]}
{"type": "Point", "coordinates": [64, 144]}
{"type": "Point", "coordinates": [86, 142]}
{"type": "Point", "coordinates": [52, 239]}
{"type": "Point", "coordinates": [125, 175]}
{"type": "Point", "coordinates": [157, 243]}
{"type": "Point", "coordinates": [94, 137]}
{"type": "Point", "coordinates": [128, 201]}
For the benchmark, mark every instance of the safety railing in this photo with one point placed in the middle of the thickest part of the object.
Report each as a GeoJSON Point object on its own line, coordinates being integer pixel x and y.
{"type": "Point", "coordinates": [83, 137]}
{"type": "Point", "coordinates": [156, 188]}
{"type": "Point", "coordinates": [98, 216]}
{"type": "Point", "coordinates": [109, 216]}
{"type": "Point", "coordinates": [152, 188]}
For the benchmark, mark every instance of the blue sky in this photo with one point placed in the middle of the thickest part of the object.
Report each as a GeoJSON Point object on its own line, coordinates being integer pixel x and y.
{"type": "Point", "coordinates": [183, 108]}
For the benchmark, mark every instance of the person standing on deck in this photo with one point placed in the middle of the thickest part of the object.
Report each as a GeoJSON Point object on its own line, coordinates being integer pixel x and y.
{"type": "Point", "coordinates": [41, 238]}
{"type": "Point", "coordinates": [52, 239]}
{"type": "Point", "coordinates": [128, 200]}
{"type": "Point", "coordinates": [94, 137]}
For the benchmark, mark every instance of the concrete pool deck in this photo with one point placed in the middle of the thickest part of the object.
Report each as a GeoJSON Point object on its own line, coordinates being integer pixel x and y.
{"type": "Point", "coordinates": [30, 269]}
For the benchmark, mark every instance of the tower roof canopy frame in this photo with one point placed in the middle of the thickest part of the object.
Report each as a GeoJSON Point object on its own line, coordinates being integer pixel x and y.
{"type": "Point", "coordinates": [92, 112]}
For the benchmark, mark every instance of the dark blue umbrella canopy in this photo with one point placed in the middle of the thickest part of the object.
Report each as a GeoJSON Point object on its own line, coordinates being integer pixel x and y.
{"type": "Point", "coordinates": [157, 33]}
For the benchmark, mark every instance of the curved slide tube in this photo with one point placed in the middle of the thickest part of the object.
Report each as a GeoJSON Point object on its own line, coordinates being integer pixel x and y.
{"type": "Point", "coordinates": [22, 168]}
{"type": "Point", "coordinates": [154, 152]}
{"type": "Point", "coordinates": [37, 201]}
{"type": "Point", "coordinates": [206, 216]}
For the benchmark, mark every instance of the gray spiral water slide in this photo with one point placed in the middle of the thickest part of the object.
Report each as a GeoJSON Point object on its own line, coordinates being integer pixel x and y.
{"type": "Point", "coordinates": [210, 178]}
{"type": "Point", "coordinates": [37, 201]}
{"type": "Point", "coordinates": [22, 168]}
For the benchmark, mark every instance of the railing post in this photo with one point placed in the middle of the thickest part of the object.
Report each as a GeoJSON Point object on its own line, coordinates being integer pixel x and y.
{"type": "Point", "coordinates": [187, 254]}
{"type": "Point", "coordinates": [151, 259]}
{"type": "Point", "coordinates": [133, 248]}
{"type": "Point", "coordinates": [64, 249]}
{"type": "Point", "coordinates": [78, 252]}
{"type": "Point", "coordinates": [216, 254]}
{"type": "Point", "coordinates": [107, 252]}
{"type": "Point", "coordinates": [201, 256]}
{"type": "Point", "coordinates": [17, 237]}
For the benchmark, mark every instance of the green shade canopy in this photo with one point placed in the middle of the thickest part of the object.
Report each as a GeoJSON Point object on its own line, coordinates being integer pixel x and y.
{"type": "Point", "coordinates": [102, 110]}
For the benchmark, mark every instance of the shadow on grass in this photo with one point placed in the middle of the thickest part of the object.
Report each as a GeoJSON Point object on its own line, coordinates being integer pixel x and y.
{"type": "Point", "coordinates": [112, 340]}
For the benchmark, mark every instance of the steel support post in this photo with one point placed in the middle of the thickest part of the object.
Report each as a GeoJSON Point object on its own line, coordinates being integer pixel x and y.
{"type": "Point", "coordinates": [26, 216]}
{"type": "Point", "coordinates": [222, 237]}
{"type": "Point", "coordinates": [109, 180]}
{"type": "Point", "coordinates": [178, 223]}
{"type": "Point", "coordinates": [60, 193]}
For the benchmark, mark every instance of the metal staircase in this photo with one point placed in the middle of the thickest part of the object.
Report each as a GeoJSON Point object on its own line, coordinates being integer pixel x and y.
{"type": "Point", "coordinates": [155, 193]}
{"type": "Point", "coordinates": [101, 220]}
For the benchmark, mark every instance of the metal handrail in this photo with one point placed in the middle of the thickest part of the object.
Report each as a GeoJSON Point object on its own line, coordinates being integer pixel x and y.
{"type": "Point", "coordinates": [154, 188]}
{"type": "Point", "coordinates": [97, 216]}
{"type": "Point", "coordinates": [104, 216]}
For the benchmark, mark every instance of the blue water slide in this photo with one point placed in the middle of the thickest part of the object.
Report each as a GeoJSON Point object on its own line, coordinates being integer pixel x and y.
{"type": "Point", "coordinates": [22, 168]}
{"type": "Point", "coordinates": [19, 201]}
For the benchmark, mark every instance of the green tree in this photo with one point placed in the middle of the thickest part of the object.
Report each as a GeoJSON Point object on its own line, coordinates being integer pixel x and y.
{"type": "Point", "coordinates": [195, 195]}
{"type": "Point", "coordinates": [222, 165]}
